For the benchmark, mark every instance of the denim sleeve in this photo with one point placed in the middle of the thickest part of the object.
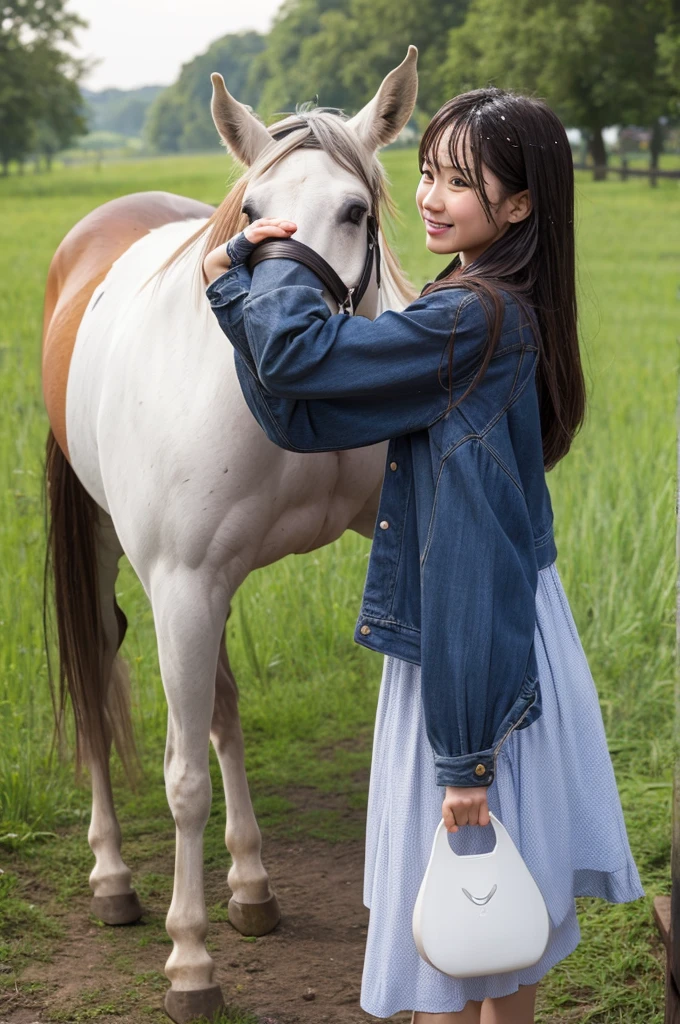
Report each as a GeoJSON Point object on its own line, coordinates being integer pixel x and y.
{"type": "Point", "coordinates": [479, 574]}
{"type": "Point", "coordinates": [227, 295]}
{"type": "Point", "coordinates": [334, 382]}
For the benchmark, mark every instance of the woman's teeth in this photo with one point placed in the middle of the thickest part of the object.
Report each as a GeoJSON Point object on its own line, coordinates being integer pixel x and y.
{"type": "Point", "coordinates": [434, 227]}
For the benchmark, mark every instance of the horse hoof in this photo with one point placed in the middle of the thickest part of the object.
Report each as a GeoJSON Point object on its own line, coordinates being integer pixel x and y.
{"type": "Point", "coordinates": [254, 918]}
{"type": "Point", "coordinates": [123, 909]}
{"type": "Point", "coordinates": [184, 1006]}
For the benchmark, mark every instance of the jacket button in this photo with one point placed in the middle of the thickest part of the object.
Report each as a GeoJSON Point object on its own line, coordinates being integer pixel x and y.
{"type": "Point", "coordinates": [480, 769]}
{"type": "Point", "coordinates": [365, 630]}
{"type": "Point", "coordinates": [393, 466]}
{"type": "Point", "coordinates": [384, 525]}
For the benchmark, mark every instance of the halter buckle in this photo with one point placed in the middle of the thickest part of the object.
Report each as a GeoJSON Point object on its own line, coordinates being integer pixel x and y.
{"type": "Point", "coordinates": [347, 306]}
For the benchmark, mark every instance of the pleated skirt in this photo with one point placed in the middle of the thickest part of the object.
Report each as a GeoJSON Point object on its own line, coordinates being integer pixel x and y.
{"type": "Point", "coordinates": [554, 790]}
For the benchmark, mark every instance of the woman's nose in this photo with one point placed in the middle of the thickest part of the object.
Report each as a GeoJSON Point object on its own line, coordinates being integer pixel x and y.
{"type": "Point", "coordinates": [432, 200]}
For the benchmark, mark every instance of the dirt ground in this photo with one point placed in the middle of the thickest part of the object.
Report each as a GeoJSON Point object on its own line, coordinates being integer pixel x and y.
{"type": "Point", "coordinates": [307, 971]}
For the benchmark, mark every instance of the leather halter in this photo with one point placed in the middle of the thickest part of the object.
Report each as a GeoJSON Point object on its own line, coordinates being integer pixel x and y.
{"type": "Point", "coordinates": [347, 298]}
{"type": "Point", "coordinates": [288, 248]}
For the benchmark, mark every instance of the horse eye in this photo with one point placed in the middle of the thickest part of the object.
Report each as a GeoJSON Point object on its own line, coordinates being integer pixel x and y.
{"type": "Point", "coordinates": [356, 213]}
{"type": "Point", "coordinates": [248, 213]}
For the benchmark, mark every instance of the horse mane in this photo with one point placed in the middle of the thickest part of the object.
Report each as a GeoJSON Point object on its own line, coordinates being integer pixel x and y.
{"type": "Point", "coordinates": [312, 128]}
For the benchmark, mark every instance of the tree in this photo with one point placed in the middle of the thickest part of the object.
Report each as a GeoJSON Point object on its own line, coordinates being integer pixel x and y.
{"type": "Point", "coordinates": [19, 102]}
{"type": "Point", "coordinates": [40, 104]}
{"type": "Point", "coordinates": [297, 65]}
{"type": "Point", "coordinates": [340, 50]}
{"type": "Point", "coordinates": [62, 114]}
{"type": "Point", "coordinates": [165, 122]}
{"type": "Point", "coordinates": [384, 31]}
{"type": "Point", "coordinates": [595, 63]}
{"type": "Point", "coordinates": [45, 21]}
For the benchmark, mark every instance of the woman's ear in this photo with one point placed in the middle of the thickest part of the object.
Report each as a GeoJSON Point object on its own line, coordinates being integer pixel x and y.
{"type": "Point", "coordinates": [519, 206]}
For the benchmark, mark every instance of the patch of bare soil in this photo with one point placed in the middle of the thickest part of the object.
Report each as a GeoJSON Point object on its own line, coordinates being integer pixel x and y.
{"type": "Point", "coordinates": [307, 971]}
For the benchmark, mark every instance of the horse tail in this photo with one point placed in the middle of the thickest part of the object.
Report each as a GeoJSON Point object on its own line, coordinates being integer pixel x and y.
{"type": "Point", "coordinates": [92, 675]}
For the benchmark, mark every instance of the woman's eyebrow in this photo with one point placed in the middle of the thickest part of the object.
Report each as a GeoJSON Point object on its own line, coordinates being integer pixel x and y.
{"type": "Point", "coordinates": [449, 167]}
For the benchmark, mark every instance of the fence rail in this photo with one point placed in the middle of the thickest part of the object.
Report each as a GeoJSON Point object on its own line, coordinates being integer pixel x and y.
{"type": "Point", "coordinates": [624, 171]}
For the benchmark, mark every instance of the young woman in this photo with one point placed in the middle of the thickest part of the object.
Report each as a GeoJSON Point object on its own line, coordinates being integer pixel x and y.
{"type": "Point", "coordinates": [486, 699]}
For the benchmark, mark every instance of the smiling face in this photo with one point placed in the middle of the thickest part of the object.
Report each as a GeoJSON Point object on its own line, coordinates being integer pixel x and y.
{"type": "Point", "coordinates": [452, 210]}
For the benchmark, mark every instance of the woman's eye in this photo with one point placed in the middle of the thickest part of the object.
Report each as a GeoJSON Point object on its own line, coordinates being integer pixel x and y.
{"type": "Point", "coordinates": [459, 183]}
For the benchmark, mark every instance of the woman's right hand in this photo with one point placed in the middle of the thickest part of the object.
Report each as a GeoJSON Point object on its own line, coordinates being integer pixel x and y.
{"type": "Point", "coordinates": [269, 227]}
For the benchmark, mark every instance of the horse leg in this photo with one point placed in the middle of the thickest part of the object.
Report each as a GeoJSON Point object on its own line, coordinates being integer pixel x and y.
{"type": "Point", "coordinates": [114, 901]}
{"type": "Point", "coordinates": [253, 907]}
{"type": "Point", "coordinates": [189, 610]}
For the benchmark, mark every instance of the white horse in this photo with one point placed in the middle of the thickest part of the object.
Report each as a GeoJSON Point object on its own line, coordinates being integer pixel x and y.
{"type": "Point", "coordinates": [152, 452]}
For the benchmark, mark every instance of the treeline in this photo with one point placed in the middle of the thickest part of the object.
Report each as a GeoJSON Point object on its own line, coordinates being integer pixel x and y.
{"type": "Point", "coordinates": [597, 63]}
{"type": "Point", "coordinates": [333, 51]}
{"type": "Point", "coordinates": [41, 107]}
{"type": "Point", "coordinates": [119, 110]}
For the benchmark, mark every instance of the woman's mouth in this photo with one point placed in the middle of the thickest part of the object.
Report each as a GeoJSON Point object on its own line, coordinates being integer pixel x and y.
{"type": "Point", "coordinates": [435, 227]}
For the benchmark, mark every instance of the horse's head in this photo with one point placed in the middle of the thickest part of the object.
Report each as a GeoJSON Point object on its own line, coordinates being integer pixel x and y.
{"type": "Point", "coordinates": [320, 169]}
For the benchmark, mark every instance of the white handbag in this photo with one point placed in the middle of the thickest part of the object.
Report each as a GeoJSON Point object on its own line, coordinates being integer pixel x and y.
{"type": "Point", "coordinates": [479, 913]}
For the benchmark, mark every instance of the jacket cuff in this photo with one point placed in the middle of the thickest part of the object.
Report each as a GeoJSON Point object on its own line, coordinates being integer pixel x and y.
{"type": "Point", "coordinates": [466, 770]}
{"type": "Point", "coordinates": [233, 284]}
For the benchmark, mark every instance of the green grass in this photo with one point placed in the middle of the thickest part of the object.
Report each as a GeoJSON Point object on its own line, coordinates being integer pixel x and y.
{"type": "Point", "coordinates": [305, 686]}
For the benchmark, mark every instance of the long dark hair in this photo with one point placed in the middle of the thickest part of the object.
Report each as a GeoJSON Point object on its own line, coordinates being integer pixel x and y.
{"type": "Point", "coordinates": [524, 144]}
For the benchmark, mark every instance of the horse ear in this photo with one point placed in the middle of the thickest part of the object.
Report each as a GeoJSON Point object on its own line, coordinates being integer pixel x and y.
{"type": "Point", "coordinates": [381, 120]}
{"type": "Point", "coordinates": [242, 132]}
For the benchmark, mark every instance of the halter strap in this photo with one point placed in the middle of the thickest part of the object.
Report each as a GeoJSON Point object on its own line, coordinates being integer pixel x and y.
{"type": "Point", "coordinates": [347, 298]}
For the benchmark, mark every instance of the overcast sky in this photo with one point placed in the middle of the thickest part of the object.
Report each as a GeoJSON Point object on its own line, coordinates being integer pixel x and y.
{"type": "Point", "coordinates": [145, 42]}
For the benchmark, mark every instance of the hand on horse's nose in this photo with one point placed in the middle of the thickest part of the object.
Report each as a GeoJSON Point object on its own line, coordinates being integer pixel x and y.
{"type": "Point", "coordinates": [269, 227]}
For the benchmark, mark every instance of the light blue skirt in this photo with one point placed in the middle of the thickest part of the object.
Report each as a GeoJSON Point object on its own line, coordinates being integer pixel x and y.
{"type": "Point", "coordinates": [554, 790]}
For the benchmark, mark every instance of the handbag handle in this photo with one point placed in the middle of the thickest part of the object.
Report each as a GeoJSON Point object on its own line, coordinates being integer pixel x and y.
{"type": "Point", "coordinates": [503, 841]}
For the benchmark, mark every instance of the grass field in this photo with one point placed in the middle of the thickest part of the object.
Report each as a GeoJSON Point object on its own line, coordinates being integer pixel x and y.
{"type": "Point", "coordinates": [305, 686]}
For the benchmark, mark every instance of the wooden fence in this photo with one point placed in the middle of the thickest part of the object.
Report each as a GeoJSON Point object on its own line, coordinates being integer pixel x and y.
{"type": "Point", "coordinates": [600, 171]}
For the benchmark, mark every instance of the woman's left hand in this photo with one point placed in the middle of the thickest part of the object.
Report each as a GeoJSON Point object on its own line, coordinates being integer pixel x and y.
{"type": "Point", "coordinates": [465, 805]}
{"type": "Point", "coordinates": [217, 262]}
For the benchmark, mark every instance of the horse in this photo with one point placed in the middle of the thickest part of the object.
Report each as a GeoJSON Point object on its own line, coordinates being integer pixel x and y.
{"type": "Point", "coordinates": [153, 453]}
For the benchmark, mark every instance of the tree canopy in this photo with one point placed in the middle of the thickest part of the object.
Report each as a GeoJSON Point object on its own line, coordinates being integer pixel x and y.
{"type": "Point", "coordinates": [341, 50]}
{"type": "Point", "coordinates": [594, 62]}
{"type": "Point", "coordinates": [41, 108]}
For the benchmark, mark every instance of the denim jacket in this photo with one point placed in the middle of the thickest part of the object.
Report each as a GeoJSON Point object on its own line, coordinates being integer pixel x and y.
{"type": "Point", "coordinates": [465, 519]}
